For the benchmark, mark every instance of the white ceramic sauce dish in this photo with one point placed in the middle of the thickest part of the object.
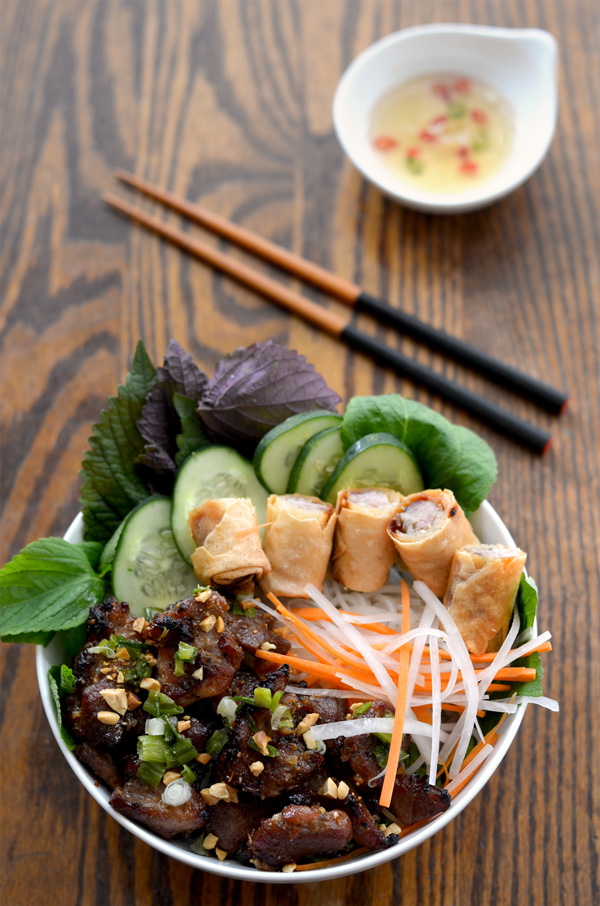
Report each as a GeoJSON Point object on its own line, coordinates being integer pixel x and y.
{"type": "Point", "coordinates": [521, 64]}
{"type": "Point", "coordinates": [491, 530]}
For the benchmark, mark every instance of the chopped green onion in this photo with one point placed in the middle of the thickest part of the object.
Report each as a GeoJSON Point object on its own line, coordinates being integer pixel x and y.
{"type": "Point", "coordinates": [271, 750]}
{"type": "Point", "coordinates": [200, 588]}
{"type": "Point", "coordinates": [178, 669]}
{"type": "Point", "coordinates": [188, 775]}
{"type": "Point", "coordinates": [276, 699]}
{"type": "Point", "coordinates": [105, 647]}
{"type": "Point", "coordinates": [151, 774]}
{"type": "Point", "coordinates": [414, 165]}
{"type": "Point", "coordinates": [281, 718]}
{"type": "Point", "coordinates": [263, 697]}
{"type": "Point", "coordinates": [151, 749]}
{"type": "Point", "coordinates": [149, 613]}
{"type": "Point", "coordinates": [158, 705]}
{"type": "Point", "coordinates": [170, 727]}
{"type": "Point", "coordinates": [184, 751]}
{"type": "Point", "coordinates": [164, 633]}
{"type": "Point", "coordinates": [244, 699]}
{"type": "Point", "coordinates": [385, 738]}
{"type": "Point", "coordinates": [227, 709]}
{"type": "Point", "coordinates": [133, 676]}
{"type": "Point", "coordinates": [239, 611]}
{"type": "Point", "coordinates": [216, 742]}
{"type": "Point", "coordinates": [456, 110]}
{"type": "Point", "coordinates": [362, 709]}
{"type": "Point", "coordinates": [186, 652]}
{"type": "Point", "coordinates": [380, 754]}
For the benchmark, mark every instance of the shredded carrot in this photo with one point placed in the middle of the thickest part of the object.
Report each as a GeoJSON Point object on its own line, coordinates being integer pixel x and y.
{"type": "Point", "coordinates": [396, 741]}
{"type": "Point", "coordinates": [315, 613]}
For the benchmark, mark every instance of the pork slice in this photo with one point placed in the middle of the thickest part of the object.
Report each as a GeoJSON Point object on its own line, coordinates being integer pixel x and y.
{"type": "Point", "coordinates": [299, 832]}
{"type": "Point", "coordinates": [138, 801]}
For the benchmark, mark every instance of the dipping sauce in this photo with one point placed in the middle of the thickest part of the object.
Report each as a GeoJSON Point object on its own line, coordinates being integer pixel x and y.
{"type": "Point", "coordinates": [443, 133]}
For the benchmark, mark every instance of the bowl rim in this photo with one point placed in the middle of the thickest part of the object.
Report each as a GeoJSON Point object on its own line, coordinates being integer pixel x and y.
{"type": "Point", "coordinates": [457, 202]}
{"type": "Point", "coordinates": [239, 872]}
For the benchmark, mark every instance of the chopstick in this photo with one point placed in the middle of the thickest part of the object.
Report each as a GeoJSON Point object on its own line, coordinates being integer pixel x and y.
{"type": "Point", "coordinates": [315, 314]}
{"type": "Point", "coordinates": [549, 398]}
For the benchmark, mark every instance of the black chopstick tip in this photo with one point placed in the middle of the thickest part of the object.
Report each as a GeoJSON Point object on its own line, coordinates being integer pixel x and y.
{"type": "Point", "coordinates": [546, 446]}
{"type": "Point", "coordinates": [564, 406]}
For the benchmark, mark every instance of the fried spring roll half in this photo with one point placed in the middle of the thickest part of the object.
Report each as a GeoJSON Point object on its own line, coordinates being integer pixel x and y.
{"type": "Point", "coordinates": [427, 530]}
{"type": "Point", "coordinates": [298, 540]}
{"type": "Point", "coordinates": [481, 593]}
{"type": "Point", "coordinates": [363, 553]}
{"type": "Point", "coordinates": [228, 553]}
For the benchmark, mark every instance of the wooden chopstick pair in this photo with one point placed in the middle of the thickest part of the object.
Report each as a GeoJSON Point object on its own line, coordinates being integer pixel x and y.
{"type": "Point", "coordinates": [509, 425]}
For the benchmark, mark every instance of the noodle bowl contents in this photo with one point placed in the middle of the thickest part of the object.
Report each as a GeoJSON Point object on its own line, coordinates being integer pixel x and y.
{"type": "Point", "coordinates": [443, 133]}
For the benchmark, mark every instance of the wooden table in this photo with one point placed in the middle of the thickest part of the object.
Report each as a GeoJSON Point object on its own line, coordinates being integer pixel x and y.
{"type": "Point", "coordinates": [230, 103]}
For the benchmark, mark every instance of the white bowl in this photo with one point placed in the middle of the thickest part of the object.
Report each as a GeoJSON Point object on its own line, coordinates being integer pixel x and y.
{"type": "Point", "coordinates": [491, 530]}
{"type": "Point", "coordinates": [521, 64]}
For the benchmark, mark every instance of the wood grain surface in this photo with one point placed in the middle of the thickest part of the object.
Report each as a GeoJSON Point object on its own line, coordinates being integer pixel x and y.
{"type": "Point", "coordinates": [229, 103]}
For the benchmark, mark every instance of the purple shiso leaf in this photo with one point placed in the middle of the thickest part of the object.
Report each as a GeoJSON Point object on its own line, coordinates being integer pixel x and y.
{"type": "Point", "coordinates": [160, 424]}
{"type": "Point", "coordinates": [256, 388]}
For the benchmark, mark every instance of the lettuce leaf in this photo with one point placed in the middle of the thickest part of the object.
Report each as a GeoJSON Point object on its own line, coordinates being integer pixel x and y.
{"type": "Point", "coordinates": [161, 422]}
{"type": "Point", "coordinates": [254, 389]}
{"type": "Point", "coordinates": [62, 683]}
{"type": "Point", "coordinates": [49, 585]}
{"type": "Point", "coordinates": [448, 455]}
{"type": "Point", "coordinates": [112, 483]}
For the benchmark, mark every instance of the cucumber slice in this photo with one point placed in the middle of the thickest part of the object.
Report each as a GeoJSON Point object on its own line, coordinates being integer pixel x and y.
{"type": "Point", "coordinates": [278, 450]}
{"type": "Point", "coordinates": [375, 461]}
{"type": "Point", "coordinates": [208, 474]}
{"type": "Point", "coordinates": [148, 570]}
{"type": "Point", "coordinates": [315, 463]}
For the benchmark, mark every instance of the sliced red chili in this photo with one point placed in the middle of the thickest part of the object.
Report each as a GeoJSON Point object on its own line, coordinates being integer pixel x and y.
{"type": "Point", "coordinates": [438, 120]}
{"type": "Point", "coordinates": [463, 152]}
{"type": "Point", "coordinates": [479, 116]}
{"type": "Point", "coordinates": [462, 85]}
{"type": "Point", "coordinates": [441, 91]}
{"type": "Point", "coordinates": [413, 152]}
{"type": "Point", "coordinates": [427, 136]}
{"type": "Point", "coordinates": [385, 143]}
{"type": "Point", "coordinates": [469, 167]}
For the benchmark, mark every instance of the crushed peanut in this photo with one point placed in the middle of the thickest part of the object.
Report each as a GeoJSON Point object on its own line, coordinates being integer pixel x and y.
{"type": "Point", "coordinates": [199, 673]}
{"type": "Point", "coordinates": [208, 623]}
{"type": "Point", "coordinates": [221, 854]}
{"type": "Point", "coordinates": [120, 677]}
{"type": "Point", "coordinates": [139, 625]}
{"type": "Point", "coordinates": [210, 841]}
{"type": "Point", "coordinates": [309, 740]}
{"type": "Point", "coordinates": [287, 869]}
{"type": "Point", "coordinates": [343, 790]}
{"type": "Point", "coordinates": [217, 792]}
{"type": "Point", "coordinates": [183, 725]}
{"type": "Point", "coordinates": [257, 767]}
{"type": "Point", "coordinates": [170, 776]}
{"type": "Point", "coordinates": [262, 741]}
{"type": "Point", "coordinates": [204, 758]}
{"type": "Point", "coordinates": [329, 789]}
{"type": "Point", "coordinates": [105, 669]}
{"type": "Point", "coordinates": [267, 646]}
{"type": "Point", "coordinates": [110, 718]}
{"type": "Point", "coordinates": [220, 624]}
{"type": "Point", "coordinates": [115, 699]}
{"type": "Point", "coordinates": [150, 659]}
{"type": "Point", "coordinates": [123, 654]}
{"type": "Point", "coordinates": [203, 596]}
{"type": "Point", "coordinates": [133, 701]}
{"type": "Point", "coordinates": [151, 684]}
{"type": "Point", "coordinates": [391, 829]}
{"type": "Point", "coordinates": [307, 722]}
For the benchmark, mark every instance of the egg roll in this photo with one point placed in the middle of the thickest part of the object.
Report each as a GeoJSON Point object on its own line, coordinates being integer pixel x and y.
{"type": "Point", "coordinates": [298, 540]}
{"type": "Point", "coordinates": [481, 593]}
{"type": "Point", "coordinates": [229, 553]}
{"type": "Point", "coordinates": [427, 530]}
{"type": "Point", "coordinates": [363, 553]}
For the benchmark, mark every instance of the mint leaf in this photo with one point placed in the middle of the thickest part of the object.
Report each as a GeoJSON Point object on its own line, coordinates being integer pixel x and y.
{"type": "Point", "coordinates": [192, 436]}
{"type": "Point", "coordinates": [112, 485]}
{"type": "Point", "coordinates": [58, 682]}
{"type": "Point", "coordinates": [49, 586]}
{"type": "Point", "coordinates": [372, 415]}
{"type": "Point", "coordinates": [475, 471]}
{"type": "Point", "coordinates": [535, 686]}
{"type": "Point", "coordinates": [160, 422]}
